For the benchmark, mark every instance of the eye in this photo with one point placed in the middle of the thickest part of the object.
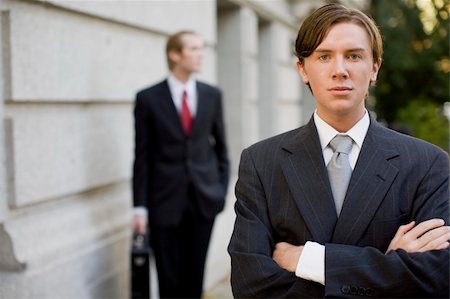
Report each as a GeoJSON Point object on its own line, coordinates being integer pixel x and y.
{"type": "Point", "coordinates": [354, 56]}
{"type": "Point", "coordinates": [324, 57]}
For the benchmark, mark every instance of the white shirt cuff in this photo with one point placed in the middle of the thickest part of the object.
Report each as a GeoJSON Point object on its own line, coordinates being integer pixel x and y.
{"type": "Point", "coordinates": [140, 211]}
{"type": "Point", "coordinates": [311, 264]}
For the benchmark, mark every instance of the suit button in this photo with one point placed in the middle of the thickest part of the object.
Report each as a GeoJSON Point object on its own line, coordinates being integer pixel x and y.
{"type": "Point", "coordinates": [361, 291]}
{"type": "Point", "coordinates": [353, 290]}
{"type": "Point", "coordinates": [345, 289]}
{"type": "Point", "coordinates": [369, 292]}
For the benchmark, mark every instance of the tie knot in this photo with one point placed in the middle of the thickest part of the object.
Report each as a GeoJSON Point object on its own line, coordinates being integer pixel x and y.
{"type": "Point", "coordinates": [341, 144]}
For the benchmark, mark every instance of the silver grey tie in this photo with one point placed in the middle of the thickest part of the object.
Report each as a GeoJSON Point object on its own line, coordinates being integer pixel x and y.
{"type": "Point", "coordinates": [339, 169]}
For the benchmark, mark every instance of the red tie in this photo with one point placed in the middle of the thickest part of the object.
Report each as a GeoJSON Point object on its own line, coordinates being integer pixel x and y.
{"type": "Point", "coordinates": [186, 118]}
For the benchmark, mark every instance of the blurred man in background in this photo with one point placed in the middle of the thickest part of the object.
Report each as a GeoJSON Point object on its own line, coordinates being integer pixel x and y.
{"type": "Point", "coordinates": [181, 168]}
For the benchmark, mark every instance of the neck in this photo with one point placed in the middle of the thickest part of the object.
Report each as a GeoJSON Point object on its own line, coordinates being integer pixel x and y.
{"type": "Point", "coordinates": [181, 75]}
{"type": "Point", "coordinates": [342, 123]}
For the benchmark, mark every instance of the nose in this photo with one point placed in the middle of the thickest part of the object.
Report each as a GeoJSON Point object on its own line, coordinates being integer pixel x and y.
{"type": "Point", "coordinates": [339, 68]}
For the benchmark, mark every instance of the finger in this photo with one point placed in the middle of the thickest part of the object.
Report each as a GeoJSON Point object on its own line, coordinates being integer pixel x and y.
{"type": "Point", "coordinates": [135, 227]}
{"type": "Point", "coordinates": [281, 246]}
{"type": "Point", "coordinates": [444, 245]}
{"type": "Point", "coordinates": [276, 249]}
{"type": "Point", "coordinates": [434, 239]}
{"type": "Point", "coordinates": [425, 226]}
{"type": "Point", "coordinates": [139, 225]}
{"type": "Point", "coordinates": [141, 228]}
{"type": "Point", "coordinates": [276, 252]}
{"type": "Point", "coordinates": [402, 230]}
{"type": "Point", "coordinates": [439, 233]}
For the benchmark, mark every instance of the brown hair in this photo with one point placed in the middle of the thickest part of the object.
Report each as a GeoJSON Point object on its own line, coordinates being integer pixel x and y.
{"type": "Point", "coordinates": [316, 27]}
{"type": "Point", "coordinates": [175, 43]}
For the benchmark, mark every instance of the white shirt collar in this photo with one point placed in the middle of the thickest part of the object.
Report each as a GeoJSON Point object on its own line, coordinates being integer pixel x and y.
{"type": "Point", "coordinates": [176, 91]}
{"type": "Point", "coordinates": [357, 132]}
{"type": "Point", "coordinates": [177, 87]}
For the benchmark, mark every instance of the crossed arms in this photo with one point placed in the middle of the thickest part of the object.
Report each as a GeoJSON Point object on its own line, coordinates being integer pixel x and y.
{"type": "Point", "coordinates": [426, 236]}
{"type": "Point", "coordinates": [266, 246]}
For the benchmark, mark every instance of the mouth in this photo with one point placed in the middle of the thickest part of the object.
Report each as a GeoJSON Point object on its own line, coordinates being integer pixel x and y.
{"type": "Point", "coordinates": [340, 90]}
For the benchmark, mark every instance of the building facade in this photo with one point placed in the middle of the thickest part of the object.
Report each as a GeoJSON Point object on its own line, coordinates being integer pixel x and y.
{"type": "Point", "coordinates": [69, 74]}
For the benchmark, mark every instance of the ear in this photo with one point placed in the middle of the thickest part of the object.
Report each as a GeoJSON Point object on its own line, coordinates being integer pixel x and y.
{"type": "Point", "coordinates": [174, 56]}
{"type": "Point", "coordinates": [302, 71]}
{"type": "Point", "coordinates": [375, 69]}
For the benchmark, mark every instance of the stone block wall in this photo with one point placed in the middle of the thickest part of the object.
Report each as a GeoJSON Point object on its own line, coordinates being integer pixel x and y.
{"type": "Point", "coordinates": [69, 73]}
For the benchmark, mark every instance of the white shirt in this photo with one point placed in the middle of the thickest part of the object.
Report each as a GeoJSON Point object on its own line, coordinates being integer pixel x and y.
{"type": "Point", "coordinates": [311, 265]}
{"type": "Point", "coordinates": [176, 90]}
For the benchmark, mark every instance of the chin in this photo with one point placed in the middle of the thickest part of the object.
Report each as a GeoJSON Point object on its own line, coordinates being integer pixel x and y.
{"type": "Point", "coordinates": [344, 108]}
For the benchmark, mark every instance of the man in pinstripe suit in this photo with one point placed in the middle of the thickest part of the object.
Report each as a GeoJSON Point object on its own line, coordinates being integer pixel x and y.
{"type": "Point", "coordinates": [289, 240]}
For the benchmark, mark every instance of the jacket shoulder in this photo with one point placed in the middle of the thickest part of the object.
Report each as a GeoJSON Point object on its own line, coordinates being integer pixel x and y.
{"type": "Point", "coordinates": [276, 142]}
{"type": "Point", "coordinates": [403, 141]}
{"type": "Point", "coordinates": [415, 150]}
{"type": "Point", "coordinates": [152, 89]}
{"type": "Point", "coordinates": [208, 87]}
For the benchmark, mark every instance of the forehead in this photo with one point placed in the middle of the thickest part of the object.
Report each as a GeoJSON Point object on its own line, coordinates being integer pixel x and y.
{"type": "Point", "coordinates": [346, 35]}
{"type": "Point", "coordinates": [190, 40]}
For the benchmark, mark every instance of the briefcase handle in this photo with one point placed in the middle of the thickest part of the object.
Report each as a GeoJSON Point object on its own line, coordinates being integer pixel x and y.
{"type": "Point", "coordinates": [139, 241]}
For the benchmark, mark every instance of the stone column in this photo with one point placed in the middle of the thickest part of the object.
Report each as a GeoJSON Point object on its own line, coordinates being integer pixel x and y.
{"type": "Point", "coordinates": [3, 146]}
{"type": "Point", "coordinates": [237, 50]}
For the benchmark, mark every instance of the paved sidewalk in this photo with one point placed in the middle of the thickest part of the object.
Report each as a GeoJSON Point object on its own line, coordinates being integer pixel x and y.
{"type": "Point", "coordinates": [222, 290]}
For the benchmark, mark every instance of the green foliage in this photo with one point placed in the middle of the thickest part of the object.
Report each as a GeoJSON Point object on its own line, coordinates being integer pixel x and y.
{"type": "Point", "coordinates": [414, 75]}
{"type": "Point", "coordinates": [426, 121]}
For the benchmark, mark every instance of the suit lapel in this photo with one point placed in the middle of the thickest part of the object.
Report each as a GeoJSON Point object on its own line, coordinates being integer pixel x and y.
{"type": "Point", "coordinates": [371, 180]}
{"type": "Point", "coordinates": [305, 173]}
{"type": "Point", "coordinates": [167, 107]}
{"type": "Point", "coordinates": [202, 108]}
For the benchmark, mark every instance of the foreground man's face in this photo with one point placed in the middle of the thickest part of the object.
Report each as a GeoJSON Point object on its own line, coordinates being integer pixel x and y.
{"type": "Point", "coordinates": [340, 70]}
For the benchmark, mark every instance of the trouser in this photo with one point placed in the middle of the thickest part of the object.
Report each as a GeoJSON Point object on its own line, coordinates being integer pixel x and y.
{"type": "Point", "coordinates": [180, 254]}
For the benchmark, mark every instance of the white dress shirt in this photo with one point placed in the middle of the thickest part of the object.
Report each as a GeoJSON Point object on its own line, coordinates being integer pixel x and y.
{"type": "Point", "coordinates": [311, 265]}
{"type": "Point", "coordinates": [176, 90]}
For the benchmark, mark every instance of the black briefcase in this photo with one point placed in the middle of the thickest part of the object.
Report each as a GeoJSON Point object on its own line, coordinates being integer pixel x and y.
{"type": "Point", "coordinates": [140, 267]}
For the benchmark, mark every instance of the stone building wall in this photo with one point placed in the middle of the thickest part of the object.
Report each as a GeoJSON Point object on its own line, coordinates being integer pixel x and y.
{"type": "Point", "coordinates": [69, 74]}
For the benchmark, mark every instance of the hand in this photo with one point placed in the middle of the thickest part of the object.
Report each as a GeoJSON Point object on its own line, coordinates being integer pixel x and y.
{"type": "Point", "coordinates": [287, 255]}
{"type": "Point", "coordinates": [140, 223]}
{"type": "Point", "coordinates": [426, 236]}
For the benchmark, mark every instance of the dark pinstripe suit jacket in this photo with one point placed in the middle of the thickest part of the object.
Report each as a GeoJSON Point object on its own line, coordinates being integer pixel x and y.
{"type": "Point", "coordinates": [283, 194]}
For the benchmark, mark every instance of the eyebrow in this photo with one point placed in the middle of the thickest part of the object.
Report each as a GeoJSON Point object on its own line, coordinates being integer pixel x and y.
{"type": "Point", "coordinates": [349, 50]}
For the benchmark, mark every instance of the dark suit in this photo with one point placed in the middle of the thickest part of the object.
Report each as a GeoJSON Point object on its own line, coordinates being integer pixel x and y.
{"type": "Point", "coordinates": [283, 194]}
{"type": "Point", "coordinates": [182, 180]}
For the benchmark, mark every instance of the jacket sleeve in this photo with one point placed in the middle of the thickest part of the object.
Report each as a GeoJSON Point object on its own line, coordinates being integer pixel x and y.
{"type": "Point", "coordinates": [254, 274]}
{"type": "Point", "coordinates": [220, 146]}
{"type": "Point", "coordinates": [352, 271]}
{"type": "Point", "coordinates": [142, 151]}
